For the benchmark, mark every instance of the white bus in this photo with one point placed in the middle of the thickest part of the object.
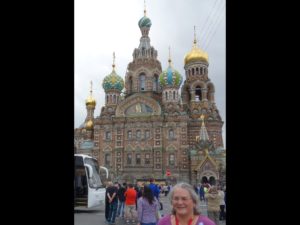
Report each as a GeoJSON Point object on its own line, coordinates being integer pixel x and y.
{"type": "Point", "coordinates": [89, 191]}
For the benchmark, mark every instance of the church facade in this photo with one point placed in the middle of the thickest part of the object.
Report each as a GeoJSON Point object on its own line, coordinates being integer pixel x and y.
{"type": "Point", "coordinates": [156, 122]}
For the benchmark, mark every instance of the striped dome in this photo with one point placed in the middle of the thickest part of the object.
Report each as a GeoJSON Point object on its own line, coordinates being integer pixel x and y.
{"type": "Point", "coordinates": [145, 22]}
{"type": "Point", "coordinates": [113, 82]}
{"type": "Point", "coordinates": [170, 78]}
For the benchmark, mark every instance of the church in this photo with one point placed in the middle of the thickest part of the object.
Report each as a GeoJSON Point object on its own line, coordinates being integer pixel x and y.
{"type": "Point", "coordinates": [156, 122]}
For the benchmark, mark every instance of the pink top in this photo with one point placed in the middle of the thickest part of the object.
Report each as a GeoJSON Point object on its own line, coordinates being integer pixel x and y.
{"type": "Point", "coordinates": [166, 220]}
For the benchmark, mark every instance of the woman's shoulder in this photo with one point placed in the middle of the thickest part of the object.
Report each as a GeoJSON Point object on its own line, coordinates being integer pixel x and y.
{"type": "Point", "coordinates": [205, 220]}
{"type": "Point", "coordinates": [165, 220]}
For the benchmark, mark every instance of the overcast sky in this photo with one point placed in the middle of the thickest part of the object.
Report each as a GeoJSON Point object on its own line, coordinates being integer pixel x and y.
{"type": "Point", "coordinates": [103, 27]}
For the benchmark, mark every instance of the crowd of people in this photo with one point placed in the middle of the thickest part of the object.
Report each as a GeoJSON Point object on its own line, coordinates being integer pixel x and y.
{"type": "Point", "coordinates": [140, 204]}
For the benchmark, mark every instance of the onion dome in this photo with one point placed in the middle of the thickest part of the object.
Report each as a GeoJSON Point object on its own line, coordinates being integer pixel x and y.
{"type": "Point", "coordinates": [113, 81]}
{"type": "Point", "coordinates": [89, 125]}
{"type": "Point", "coordinates": [196, 54]}
{"type": "Point", "coordinates": [145, 21]}
{"type": "Point", "coordinates": [170, 77]}
{"type": "Point", "coordinates": [90, 101]}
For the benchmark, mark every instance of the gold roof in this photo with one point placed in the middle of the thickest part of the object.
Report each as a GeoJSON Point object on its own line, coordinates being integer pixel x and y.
{"type": "Point", "coordinates": [90, 100]}
{"type": "Point", "coordinates": [89, 125]}
{"type": "Point", "coordinates": [196, 54]}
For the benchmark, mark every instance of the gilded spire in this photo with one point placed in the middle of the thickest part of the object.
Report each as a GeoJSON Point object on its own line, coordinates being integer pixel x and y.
{"type": "Point", "coordinates": [144, 7]}
{"type": "Point", "coordinates": [114, 57]}
{"type": "Point", "coordinates": [195, 39]}
{"type": "Point", "coordinates": [91, 88]}
{"type": "Point", "coordinates": [169, 56]}
{"type": "Point", "coordinates": [90, 101]}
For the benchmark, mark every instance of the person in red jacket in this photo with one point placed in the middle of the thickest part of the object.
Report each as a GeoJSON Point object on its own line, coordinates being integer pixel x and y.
{"type": "Point", "coordinates": [130, 209]}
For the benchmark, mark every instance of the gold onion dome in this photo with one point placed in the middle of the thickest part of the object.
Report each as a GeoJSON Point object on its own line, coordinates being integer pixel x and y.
{"type": "Point", "coordinates": [196, 54]}
{"type": "Point", "coordinates": [90, 101]}
{"type": "Point", "coordinates": [89, 125]}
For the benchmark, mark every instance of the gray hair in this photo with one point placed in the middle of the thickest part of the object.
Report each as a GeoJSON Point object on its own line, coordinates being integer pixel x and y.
{"type": "Point", "coordinates": [192, 193]}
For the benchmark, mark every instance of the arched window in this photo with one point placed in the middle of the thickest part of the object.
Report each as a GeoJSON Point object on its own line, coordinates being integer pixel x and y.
{"type": "Point", "coordinates": [106, 98]}
{"type": "Point", "coordinates": [171, 159]}
{"type": "Point", "coordinates": [147, 158]}
{"type": "Point", "coordinates": [114, 97]}
{"type": "Point", "coordinates": [197, 70]}
{"type": "Point", "coordinates": [166, 95]}
{"type": "Point", "coordinates": [107, 159]}
{"type": "Point", "coordinates": [171, 134]}
{"type": "Point", "coordinates": [129, 158]}
{"type": "Point", "coordinates": [193, 71]}
{"type": "Point", "coordinates": [174, 95]}
{"type": "Point", "coordinates": [130, 84]}
{"type": "Point", "coordinates": [108, 135]}
{"type": "Point", "coordinates": [138, 134]}
{"type": "Point", "coordinates": [201, 70]}
{"type": "Point", "coordinates": [198, 96]}
{"type": "Point", "coordinates": [142, 82]}
{"type": "Point", "coordinates": [155, 83]}
{"type": "Point", "coordinates": [129, 135]}
{"type": "Point", "coordinates": [147, 134]}
{"type": "Point", "coordinates": [138, 159]}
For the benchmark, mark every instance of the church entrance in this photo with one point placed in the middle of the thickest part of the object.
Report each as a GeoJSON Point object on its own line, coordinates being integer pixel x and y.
{"type": "Point", "coordinates": [204, 180]}
{"type": "Point", "coordinates": [212, 181]}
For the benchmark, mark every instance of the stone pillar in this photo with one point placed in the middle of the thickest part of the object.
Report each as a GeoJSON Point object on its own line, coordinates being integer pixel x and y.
{"type": "Point", "coordinates": [192, 92]}
{"type": "Point", "coordinates": [204, 94]}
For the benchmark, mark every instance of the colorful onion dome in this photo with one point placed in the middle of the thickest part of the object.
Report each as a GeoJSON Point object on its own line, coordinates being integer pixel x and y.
{"type": "Point", "coordinates": [145, 21]}
{"type": "Point", "coordinates": [170, 77]}
{"type": "Point", "coordinates": [113, 81]}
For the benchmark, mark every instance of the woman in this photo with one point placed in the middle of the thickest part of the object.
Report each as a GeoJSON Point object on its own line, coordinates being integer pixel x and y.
{"type": "Point", "coordinates": [185, 208]}
{"type": "Point", "coordinates": [213, 204]}
{"type": "Point", "coordinates": [148, 206]}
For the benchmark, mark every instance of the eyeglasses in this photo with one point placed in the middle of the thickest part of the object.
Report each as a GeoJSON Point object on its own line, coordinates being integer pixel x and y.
{"type": "Point", "coordinates": [183, 199]}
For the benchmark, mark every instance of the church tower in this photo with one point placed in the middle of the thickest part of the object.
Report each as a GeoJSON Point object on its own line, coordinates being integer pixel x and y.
{"type": "Point", "coordinates": [90, 108]}
{"type": "Point", "coordinates": [170, 81]}
{"type": "Point", "coordinates": [143, 72]}
{"type": "Point", "coordinates": [198, 96]}
{"type": "Point", "coordinates": [113, 85]}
